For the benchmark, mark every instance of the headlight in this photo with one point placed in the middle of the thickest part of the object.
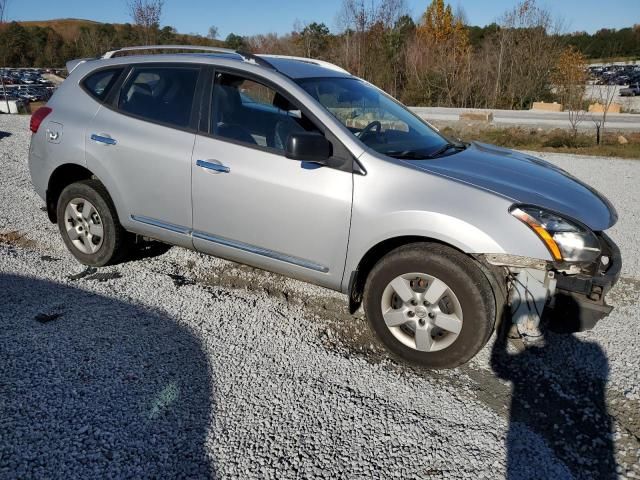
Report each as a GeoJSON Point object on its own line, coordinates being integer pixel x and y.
{"type": "Point", "coordinates": [565, 239]}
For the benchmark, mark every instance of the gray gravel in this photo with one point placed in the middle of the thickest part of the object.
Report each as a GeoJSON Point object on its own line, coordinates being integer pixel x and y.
{"type": "Point", "coordinates": [182, 365]}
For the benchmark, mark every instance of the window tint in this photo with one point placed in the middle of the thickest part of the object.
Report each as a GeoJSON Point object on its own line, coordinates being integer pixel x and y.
{"type": "Point", "coordinates": [99, 83]}
{"type": "Point", "coordinates": [160, 94]}
{"type": "Point", "coordinates": [250, 112]}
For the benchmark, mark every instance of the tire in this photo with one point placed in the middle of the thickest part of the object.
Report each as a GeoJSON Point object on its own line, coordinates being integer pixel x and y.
{"type": "Point", "coordinates": [91, 249]}
{"type": "Point", "coordinates": [453, 327]}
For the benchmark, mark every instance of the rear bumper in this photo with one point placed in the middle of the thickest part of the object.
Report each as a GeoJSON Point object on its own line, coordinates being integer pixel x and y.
{"type": "Point", "coordinates": [579, 302]}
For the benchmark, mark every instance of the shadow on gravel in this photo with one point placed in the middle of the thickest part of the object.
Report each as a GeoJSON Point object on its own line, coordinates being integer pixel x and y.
{"type": "Point", "coordinates": [149, 249]}
{"type": "Point", "coordinates": [4, 134]}
{"type": "Point", "coordinates": [559, 395]}
{"type": "Point", "coordinates": [92, 387]}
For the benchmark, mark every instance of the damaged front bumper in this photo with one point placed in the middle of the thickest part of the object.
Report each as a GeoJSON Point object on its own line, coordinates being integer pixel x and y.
{"type": "Point", "coordinates": [568, 298]}
{"type": "Point", "coordinates": [579, 300]}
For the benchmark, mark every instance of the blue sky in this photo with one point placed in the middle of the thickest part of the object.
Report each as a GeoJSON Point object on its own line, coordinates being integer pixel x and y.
{"type": "Point", "coordinates": [248, 17]}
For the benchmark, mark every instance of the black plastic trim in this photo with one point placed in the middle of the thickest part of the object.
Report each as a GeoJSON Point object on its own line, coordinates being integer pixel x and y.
{"type": "Point", "coordinates": [111, 85]}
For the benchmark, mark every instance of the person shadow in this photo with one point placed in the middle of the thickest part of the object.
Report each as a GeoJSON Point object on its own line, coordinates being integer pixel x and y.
{"type": "Point", "coordinates": [94, 387]}
{"type": "Point", "coordinates": [559, 426]}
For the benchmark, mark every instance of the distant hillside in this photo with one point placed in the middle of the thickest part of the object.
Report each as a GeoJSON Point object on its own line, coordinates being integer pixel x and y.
{"type": "Point", "coordinates": [50, 43]}
{"type": "Point", "coordinates": [70, 29]}
{"type": "Point", "coordinates": [67, 28]}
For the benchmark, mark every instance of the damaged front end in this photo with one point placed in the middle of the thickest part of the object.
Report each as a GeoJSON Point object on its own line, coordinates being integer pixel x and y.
{"type": "Point", "coordinates": [566, 296]}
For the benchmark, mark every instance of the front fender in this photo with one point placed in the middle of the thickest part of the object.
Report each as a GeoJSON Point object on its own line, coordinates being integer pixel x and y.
{"type": "Point", "coordinates": [394, 201]}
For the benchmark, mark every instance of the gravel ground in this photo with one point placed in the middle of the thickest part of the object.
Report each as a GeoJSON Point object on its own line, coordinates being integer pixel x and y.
{"type": "Point", "coordinates": [180, 365]}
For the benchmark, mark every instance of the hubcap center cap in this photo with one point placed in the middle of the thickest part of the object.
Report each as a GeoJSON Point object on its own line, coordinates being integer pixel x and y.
{"type": "Point", "coordinates": [421, 312]}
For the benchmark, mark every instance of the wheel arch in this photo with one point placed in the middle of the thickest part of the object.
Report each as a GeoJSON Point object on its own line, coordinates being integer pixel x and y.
{"type": "Point", "coordinates": [60, 178]}
{"type": "Point", "coordinates": [358, 277]}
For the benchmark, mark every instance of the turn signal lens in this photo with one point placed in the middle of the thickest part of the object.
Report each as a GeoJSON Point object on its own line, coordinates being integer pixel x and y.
{"type": "Point", "coordinates": [566, 240]}
{"type": "Point", "coordinates": [542, 233]}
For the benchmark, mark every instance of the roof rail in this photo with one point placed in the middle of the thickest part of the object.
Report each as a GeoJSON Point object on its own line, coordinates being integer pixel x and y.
{"type": "Point", "coordinates": [245, 56]}
{"type": "Point", "coordinates": [313, 61]}
{"type": "Point", "coordinates": [113, 53]}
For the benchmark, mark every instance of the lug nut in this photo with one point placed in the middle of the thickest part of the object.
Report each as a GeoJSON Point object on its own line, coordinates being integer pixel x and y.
{"type": "Point", "coordinates": [414, 303]}
{"type": "Point", "coordinates": [411, 314]}
{"type": "Point", "coordinates": [421, 322]}
{"type": "Point", "coordinates": [432, 315]}
{"type": "Point", "coordinates": [426, 304]}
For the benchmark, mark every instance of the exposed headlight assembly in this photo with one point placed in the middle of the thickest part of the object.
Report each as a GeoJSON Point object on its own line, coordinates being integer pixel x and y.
{"type": "Point", "coordinates": [567, 240]}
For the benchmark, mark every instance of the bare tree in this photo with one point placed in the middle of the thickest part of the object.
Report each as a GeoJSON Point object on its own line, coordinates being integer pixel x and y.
{"type": "Point", "coordinates": [212, 34]}
{"type": "Point", "coordinates": [357, 19]}
{"type": "Point", "coordinates": [604, 96]}
{"type": "Point", "coordinates": [460, 14]}
{"type": "Point", "coordinates": [527, 47]}
{"type": "Point", "coordinates": [275, 44]}
{"type": "Point", "coordinates": [3, 10]}
{"type": "Point", "coordinates": [146, 15]}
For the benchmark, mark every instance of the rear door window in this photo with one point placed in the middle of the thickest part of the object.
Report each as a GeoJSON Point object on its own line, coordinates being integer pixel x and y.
{"type": "Point", "coordinates": [160, 94]}
{"type": "Point", "coordinates": [99, 83]}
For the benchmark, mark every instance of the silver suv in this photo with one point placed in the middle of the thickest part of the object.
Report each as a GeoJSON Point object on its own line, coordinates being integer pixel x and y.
{"type": "Point", "coordinates": [295, 166]}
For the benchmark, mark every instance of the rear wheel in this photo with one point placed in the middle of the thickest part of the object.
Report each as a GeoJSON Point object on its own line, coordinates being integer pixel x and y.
{"type": "Point", "coordinates": [89, 224]}
{"type": "Point", "coordinates": [430, 304]}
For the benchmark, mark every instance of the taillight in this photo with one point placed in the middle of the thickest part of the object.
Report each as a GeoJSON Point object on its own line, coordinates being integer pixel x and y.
{"type": "Point", "coordinates": [37, 118]}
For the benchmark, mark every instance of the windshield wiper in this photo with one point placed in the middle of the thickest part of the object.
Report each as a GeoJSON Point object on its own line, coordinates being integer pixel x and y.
{"type": "Point", "coordinates": [413, 155]}
{"type": "Point", "coordinates": [447, 146]}
{"type": "Point", "coordinates": [406, 155]}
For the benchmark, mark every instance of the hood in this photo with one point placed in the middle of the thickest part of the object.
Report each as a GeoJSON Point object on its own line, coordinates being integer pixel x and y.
{"type": "Point", "coordinates": [525, 179]}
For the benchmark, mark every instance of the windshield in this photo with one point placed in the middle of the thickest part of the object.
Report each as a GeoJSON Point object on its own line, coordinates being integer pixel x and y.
{"type": "Point", "coordinates": [376, 119]}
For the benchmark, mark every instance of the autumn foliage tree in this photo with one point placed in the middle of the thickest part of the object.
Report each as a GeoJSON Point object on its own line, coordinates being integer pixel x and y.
{"type": "Point", "coordinates": [569, 78]}
{"type": "Point", "coordinates": [438, 22]}
{"type": "Point", "coordinates": [439, 59]}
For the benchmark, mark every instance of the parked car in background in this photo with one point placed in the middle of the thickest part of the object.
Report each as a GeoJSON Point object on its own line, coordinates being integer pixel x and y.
{"type": "Point", "coordinates": [614, 74]}
{"type": "Point", "coordinates": [630, 91]}
{"type": "Point", "coordinates": [296, 166]}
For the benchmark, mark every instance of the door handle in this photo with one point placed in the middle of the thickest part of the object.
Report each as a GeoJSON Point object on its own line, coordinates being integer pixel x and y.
{"type": "Point", "coordinates": [105, 140]}
{"type": "Point", "coordinates": [212, 165]}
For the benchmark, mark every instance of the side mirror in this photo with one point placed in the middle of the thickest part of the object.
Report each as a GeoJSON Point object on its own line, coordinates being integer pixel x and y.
{"type": "Point", "coordinates": [308, 147]}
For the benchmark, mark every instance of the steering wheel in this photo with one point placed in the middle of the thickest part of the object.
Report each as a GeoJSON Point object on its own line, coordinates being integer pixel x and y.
{"type": "Point", "coordinates": [375, 124]}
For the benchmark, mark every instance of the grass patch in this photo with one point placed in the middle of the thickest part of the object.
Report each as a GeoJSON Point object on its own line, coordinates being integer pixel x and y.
{"type": "Point", "coordinates": [558, 140]}
{"type": "Point", "coordinates": [16, 239]}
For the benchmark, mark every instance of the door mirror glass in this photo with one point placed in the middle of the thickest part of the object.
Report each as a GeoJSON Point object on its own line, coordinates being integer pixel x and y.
{"type": "Point", "coordinates": [308, 147]}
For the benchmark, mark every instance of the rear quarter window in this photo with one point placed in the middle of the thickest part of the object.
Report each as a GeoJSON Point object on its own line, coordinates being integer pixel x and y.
{"type": "Point", "coordinates": [99, 83]}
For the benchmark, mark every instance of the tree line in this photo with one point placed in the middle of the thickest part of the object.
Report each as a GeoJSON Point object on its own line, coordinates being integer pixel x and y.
{"type": "Point", "coordinates": [437, 59]}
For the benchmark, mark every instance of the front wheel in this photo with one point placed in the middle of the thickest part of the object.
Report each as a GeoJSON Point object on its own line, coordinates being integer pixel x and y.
{"type": "Point", "coordinates": [430, 304]}
{"type": "Point", "coordinates": [89, 224]}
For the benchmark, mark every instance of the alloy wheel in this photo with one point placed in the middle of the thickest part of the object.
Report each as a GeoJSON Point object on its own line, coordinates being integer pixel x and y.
{"type": "Point", "coordinates": [84, 225]}
{"type": "Point", "coordinates": [422, 312]}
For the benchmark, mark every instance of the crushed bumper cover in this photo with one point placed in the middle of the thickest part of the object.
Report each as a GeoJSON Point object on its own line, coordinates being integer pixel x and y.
{"type": "Point", "coordinates": [579, 302]}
